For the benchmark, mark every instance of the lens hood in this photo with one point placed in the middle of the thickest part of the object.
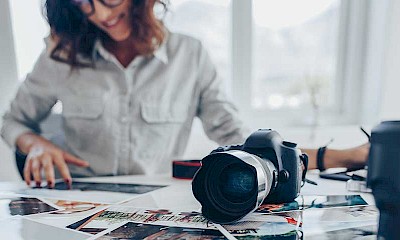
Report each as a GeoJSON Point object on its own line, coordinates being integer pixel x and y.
{"type": "Point", "coordinates": [231, 184]}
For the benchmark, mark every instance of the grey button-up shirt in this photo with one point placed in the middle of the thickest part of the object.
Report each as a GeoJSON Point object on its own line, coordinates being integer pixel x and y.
{"type": "Point", "coordinates": [131, 120]}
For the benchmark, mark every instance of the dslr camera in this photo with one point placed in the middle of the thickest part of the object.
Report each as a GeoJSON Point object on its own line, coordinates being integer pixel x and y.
{"type": "Point", "coordinates": [235, 180]}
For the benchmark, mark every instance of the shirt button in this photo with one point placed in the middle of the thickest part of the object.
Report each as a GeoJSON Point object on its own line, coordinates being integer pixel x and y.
{"type": "Point", "coordinates": [124, 150]}
{"type": "Point", "coordinates": [124, 119]}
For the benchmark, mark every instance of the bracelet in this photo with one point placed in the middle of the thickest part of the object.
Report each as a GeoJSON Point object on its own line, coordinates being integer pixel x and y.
{"type": "Point", "coordinates": [320, 158]}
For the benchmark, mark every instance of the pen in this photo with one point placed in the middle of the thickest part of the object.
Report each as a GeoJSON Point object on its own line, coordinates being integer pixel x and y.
{"type": "Point", "coordinates": [310, 182]}
{"type": "Point", "coordinates": [367, 134]}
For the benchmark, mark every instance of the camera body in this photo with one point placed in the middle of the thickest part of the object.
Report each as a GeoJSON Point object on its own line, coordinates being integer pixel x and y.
{"type": "Point", "coordinates": [384, 176]}
{"type": "Point", "coordinates": [235, 180]}
{"type": "Point", "coordinates": [287, 175]}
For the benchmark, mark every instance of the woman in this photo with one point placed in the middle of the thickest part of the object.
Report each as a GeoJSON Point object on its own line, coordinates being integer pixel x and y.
{"type": "Point", "coordinates": [130, 91]}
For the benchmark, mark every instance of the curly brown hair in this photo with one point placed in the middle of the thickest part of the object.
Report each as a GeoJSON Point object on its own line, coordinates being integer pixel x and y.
{"type": "Point", "coordinates": [75, 34]}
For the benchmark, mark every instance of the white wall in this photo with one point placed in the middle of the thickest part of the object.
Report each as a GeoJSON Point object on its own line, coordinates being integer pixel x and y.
{"type": "Point", "coordinates": [8, 83]}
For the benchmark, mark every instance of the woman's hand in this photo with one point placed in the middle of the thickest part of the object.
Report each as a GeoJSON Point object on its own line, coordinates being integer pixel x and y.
{"type": "Point", "coordinates": [355, 158]}
{"type": "Point", "coordinates": [351, 158]}
{"type": "Point", "coordinates": [43, 155]}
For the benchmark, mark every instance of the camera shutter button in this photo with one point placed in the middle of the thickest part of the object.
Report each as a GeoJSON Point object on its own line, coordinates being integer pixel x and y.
{"type": "Point", "coordinates": [284, 176]}
{"type": "Point", "coordinates": [289, 144]}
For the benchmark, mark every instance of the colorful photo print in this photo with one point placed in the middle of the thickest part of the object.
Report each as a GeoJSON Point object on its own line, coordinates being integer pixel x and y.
{"type": "Point", "coordinates": [356, 233]}
{"type": "Point", "coordinates": [156, 216]}
{"type": "Point", "coordinates": [116, 215]}
{"type": "Point", "coordinates": [91, 225]}
{"type": "Point", "coordinates": [273, 226]}
{"type": "Point", "coordinates": [109, 187]}
{"type": "Point", "coordinates": [11, 206]}
{"type": "Point", "coordinates": [318, 221]}
{"type": "Point", "coordinates": [132, 230]}
{"type": "Point", "coordinates": [70, 207]}
{"type": "Point", "coordinates": [305, 202]}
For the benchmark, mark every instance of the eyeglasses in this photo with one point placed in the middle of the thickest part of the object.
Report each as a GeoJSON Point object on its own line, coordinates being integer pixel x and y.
{"type": "Point", "coordinates": [87, 6]}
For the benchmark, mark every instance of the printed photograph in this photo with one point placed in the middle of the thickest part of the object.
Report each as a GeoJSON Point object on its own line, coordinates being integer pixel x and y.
{"type": "Point", "coordinates": [11, 206]}
{"type": "Point", "coordinates": [156, 216]}
{"type": "Point", "coordinates": [319, 221]}
{"type": "Point", "coordinates": [109, 187]}
{"type": "Point", "coordinates": [70, 207]}
{"type": "Point", "coordinates": [91, 225]}
{"type": "Point", "coordinates": [357, 233]}
{"type": "Point", "coordinates": [132, 230]}
{"type": "Point", "coordinates": [273, 226]}
{"type": "Point", "coordinates": [305, 202]}
{"type": "Point", "coordinates": [116, 215]}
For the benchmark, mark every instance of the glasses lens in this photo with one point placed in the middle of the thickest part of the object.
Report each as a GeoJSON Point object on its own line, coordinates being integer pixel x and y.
{"type": "Point", "coordinates": [237, 183]}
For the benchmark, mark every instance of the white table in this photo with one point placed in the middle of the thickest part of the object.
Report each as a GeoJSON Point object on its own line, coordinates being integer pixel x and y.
{"type": "Point", "coordinates": [178, 196]}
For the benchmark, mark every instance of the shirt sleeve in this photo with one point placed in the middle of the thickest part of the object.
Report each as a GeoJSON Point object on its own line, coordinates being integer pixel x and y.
{"type": "Point", "coordinates": [218, 114]}
{"type": "Point", "coordinates": [33, 101]}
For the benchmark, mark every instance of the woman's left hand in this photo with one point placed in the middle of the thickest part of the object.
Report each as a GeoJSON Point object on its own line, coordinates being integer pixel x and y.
{"type": "Point", "coordinates": [355, 158]}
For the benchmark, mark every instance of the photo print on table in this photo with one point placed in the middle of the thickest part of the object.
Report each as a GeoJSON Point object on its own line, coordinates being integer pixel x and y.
{"type": "Point", "coordinates": [116, 215]}
{"type": "Point", "coordinates": [157, 216]}
{"type": "Point", "coordinates": [133, 230]}
{"type": "Point", "coordinates": [11, 206]}
{"type": "Point", "coordinates": [319, 221]}
{"type": "Point", "coordinates": [353, 233]}
{"type": "Point", "coordinates": [304, 202]}
{"type": "Point", "coordinates": [284, 225]}
{"type": "Point", "coordinates": [109, 187]}
{"type": "Point", "coordinates": [91, 225]}
{"type": "Point", "coordinates": [70, 207]}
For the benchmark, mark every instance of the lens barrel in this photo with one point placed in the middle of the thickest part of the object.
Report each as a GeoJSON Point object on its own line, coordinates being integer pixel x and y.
{"type": "Point", "coordinates": [231, 184]}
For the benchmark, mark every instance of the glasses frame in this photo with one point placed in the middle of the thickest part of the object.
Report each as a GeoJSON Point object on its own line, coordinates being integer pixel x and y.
{"type": "Point", "coordinates": [93, 10]}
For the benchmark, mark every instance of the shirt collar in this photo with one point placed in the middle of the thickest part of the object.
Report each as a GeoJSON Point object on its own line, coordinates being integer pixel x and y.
{"type": "Point", "coordinates": [160, 53]}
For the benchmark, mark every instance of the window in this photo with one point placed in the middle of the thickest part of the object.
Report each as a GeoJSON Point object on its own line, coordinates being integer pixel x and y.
{"type": "Point", "coordinates": [208, 21]}
{"type": "Point", "coordinates": [294, 53]}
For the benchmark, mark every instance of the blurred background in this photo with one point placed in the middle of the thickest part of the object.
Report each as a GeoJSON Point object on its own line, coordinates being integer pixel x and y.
{"type": "Point", "coordinates": [312, 69]}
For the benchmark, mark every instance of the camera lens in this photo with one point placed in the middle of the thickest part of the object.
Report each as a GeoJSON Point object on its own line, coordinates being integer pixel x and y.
{"type": "Point", "coordinates": [237, 182]}
{"type": "Point", "coordinates": [231, 184]}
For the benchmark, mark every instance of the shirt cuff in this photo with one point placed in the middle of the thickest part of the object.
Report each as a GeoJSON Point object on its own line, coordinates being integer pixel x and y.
{"type": "Point", "coordinates": [11, 131]}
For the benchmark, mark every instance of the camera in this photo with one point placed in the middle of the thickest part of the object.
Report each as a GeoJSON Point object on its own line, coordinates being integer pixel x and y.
{"type": "Point", "coordinates": [384, 176]}
{"type": "Point", "coordinates": [235, 180]}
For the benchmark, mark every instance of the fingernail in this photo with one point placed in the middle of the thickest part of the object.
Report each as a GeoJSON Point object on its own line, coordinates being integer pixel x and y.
{"type": "Point", "coordinates": [50, 184]}
{"type": "Point", "coordinates": [68, 181]}
{"type": "Point", "coordinates": [38, 184]}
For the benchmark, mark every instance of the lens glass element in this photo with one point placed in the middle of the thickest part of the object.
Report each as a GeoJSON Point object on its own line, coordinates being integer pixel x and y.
{"type": "Point", "coordinates": [237, 183]}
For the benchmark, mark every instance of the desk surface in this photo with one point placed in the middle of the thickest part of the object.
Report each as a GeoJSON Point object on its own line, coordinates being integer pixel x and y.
{"type": "Point", "coordinates": [177, 195]}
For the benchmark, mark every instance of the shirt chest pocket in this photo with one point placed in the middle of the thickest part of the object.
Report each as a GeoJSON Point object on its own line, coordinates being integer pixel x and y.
{"type": "Point", "coordinates": [79, 107]}
{"type": "Point", "coordinates": [162, 113]}
{"type": "Point", "coordinates": [83, 119]}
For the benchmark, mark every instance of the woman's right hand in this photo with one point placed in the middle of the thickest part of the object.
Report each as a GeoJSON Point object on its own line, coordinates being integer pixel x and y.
{"type": "Point", "coordinates": [44, 155]}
